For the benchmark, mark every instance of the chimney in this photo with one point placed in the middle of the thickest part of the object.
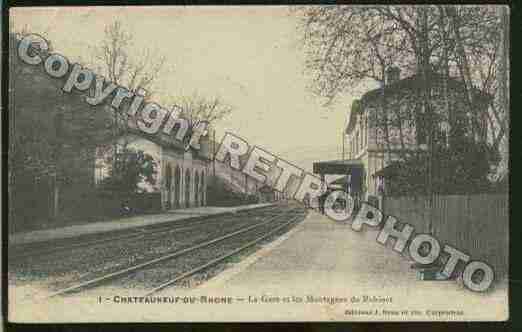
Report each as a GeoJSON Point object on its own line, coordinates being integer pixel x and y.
{"type": "Point", "coordinates": [393, 74]}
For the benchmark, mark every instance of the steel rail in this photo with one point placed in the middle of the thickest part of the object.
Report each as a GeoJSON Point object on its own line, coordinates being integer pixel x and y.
{"type": "Point", "coordinates": [219, 259]}
{"type": "Point", "coordinates": [128, 270]}
{"type": "Point", "coordinates": [141, 232]}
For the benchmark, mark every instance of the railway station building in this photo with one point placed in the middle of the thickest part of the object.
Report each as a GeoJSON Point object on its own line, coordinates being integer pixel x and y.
{"type": "Point", "coordinates": [388, 122]}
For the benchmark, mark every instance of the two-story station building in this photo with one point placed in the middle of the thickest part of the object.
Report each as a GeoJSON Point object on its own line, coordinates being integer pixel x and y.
{"type": "Point", "coordinates": [390, 121]}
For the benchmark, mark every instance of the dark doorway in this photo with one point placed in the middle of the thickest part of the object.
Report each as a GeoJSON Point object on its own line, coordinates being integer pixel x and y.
{"type": "Point", "coordinates": [187, 188]}
{"type": "Point", "coordinates": [196, 189]}
{"type": "Point", "coordinates": [168, 185]}
{"type": "Point", "coordinates": [202, 189]}
{"type": "Point", "coordinates": [177, 187]}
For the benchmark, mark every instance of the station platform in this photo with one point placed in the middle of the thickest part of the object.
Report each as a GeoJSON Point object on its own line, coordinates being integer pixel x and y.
{"type": "Point", "coordinates": [322, 258]}
{"type": "Point", "coordinates": [125, 223]}
{"type": "Point", "coordinates": [322, 255]}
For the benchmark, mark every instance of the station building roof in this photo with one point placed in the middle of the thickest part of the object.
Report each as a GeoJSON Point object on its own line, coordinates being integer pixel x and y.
{"type": "Point", "coordinates": [341, 166]}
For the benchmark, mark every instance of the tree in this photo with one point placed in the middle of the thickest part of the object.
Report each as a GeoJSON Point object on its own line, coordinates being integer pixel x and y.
{"type": "Point", "coordinates": [129, 169]}
{"type": "Point", "coordinates": [348, 44]}
{"type": "Point", "coordinates": [458, 169]}
{"type": "Point", "coordinates": [45, 119]}
{"type": "Point", "coordinates": [52, 137]}
{"type": "Point", "coordinates": [480, 37]}
{"type": "Point", "coordinates": [114, 59]}
{"type": "Point", "coordinates": [196, 108]}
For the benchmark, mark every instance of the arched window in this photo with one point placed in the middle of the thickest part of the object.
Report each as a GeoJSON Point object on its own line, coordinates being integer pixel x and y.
{"type": "Point", "coordinates": [187, 188]}
{"type": "Point", "coordinates": [202, 189]}
{"type": "Point", "coordinates": [177, 187]}
{"type": "Point", "coordinates": [168, 183]}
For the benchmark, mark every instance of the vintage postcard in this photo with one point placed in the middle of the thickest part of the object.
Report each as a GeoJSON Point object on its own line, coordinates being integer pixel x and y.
{"type": "Point", "coordinates": [258, 163]}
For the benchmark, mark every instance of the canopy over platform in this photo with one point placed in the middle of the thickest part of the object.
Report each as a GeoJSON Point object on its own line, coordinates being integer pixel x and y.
{"type": "Point", "coordinates": [389, 171]}
{"type": "Point", "coordinates": [340, 167]}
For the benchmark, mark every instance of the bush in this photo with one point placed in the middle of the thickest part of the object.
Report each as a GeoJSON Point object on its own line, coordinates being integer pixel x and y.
{"type": "Point", "coordinates": [219, 193]}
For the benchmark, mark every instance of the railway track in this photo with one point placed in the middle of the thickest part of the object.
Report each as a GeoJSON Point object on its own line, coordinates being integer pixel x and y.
{"type": "Point", "coordinates": [39, 249]}
{"type": "Point", "coordinates": [200, 256]}
{"type": "Point", "coordinates": [219, 259]}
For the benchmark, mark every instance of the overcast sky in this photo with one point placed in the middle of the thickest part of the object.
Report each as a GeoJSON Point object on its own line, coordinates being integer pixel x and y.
{"type": "Point", "coordinates": [249, 56]}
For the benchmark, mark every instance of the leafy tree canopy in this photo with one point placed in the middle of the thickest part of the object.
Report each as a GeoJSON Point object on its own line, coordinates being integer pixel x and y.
{"type": "Point", "coordinates": [128, 169]}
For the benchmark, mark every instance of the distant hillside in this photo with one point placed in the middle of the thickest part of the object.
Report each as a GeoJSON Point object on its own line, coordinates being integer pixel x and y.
{"type": "Point", "coordinates": [303, 157]}
{"type": "Point", "coordinates": [236, 180]}
{"type": "Point", "coordinates": [229, 188]}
